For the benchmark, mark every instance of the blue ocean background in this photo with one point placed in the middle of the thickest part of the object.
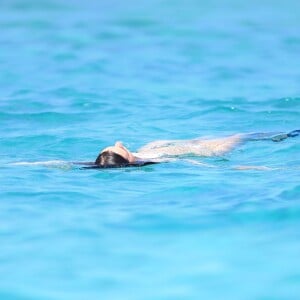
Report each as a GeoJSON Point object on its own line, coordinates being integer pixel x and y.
{"type": "Point", "coordinates": [77, 76]}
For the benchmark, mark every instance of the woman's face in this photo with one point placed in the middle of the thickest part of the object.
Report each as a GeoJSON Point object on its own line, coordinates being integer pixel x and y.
{"type": "Point", "coordinates": [120, 149]}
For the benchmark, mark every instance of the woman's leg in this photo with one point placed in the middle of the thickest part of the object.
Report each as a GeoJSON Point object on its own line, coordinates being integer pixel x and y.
{"type": "Point", "coordinates": [294, 133]}
{"type": "Point", "coordinates": [224, 145]}
{"type": "Point", "coordinates": [220, 146]}
{"type": "Point", "coordinates": [272, 136]}
{"type": "Point", "coordinates": [264, 136]}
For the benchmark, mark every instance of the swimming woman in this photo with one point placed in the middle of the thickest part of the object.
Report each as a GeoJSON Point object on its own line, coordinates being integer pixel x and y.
{"type": "Point", "coordinates": [163, 151]}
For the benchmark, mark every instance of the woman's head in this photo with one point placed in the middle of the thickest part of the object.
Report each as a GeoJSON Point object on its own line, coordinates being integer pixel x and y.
{"type": "Point", "coordinates": [115, 156]}
{"type": "Point", "coordinates": [109, 159]}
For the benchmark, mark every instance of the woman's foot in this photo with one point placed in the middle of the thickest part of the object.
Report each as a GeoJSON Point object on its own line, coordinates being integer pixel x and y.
{"type": "Point", "coordinates": [294, 133]}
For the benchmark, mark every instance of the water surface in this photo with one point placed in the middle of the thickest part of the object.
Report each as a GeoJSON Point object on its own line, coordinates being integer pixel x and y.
{"type": "Point", "coordinates": [77, 76]}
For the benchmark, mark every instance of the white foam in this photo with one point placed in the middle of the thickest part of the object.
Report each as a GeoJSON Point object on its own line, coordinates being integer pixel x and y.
{"type": "Point", "coordinates": [49, 163]}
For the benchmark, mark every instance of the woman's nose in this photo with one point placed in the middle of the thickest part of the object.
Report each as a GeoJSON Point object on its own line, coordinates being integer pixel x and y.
{"type": "Point", "coordinates": [119, 144]}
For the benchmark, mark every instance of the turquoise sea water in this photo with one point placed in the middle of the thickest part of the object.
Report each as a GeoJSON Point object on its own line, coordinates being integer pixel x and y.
{"type": "Point", "coordinates": [78, 75]}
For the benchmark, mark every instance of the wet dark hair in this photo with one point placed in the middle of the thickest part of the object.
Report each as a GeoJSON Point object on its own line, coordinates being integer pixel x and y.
{"type": "Point", "coordinates": [109, 159]}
